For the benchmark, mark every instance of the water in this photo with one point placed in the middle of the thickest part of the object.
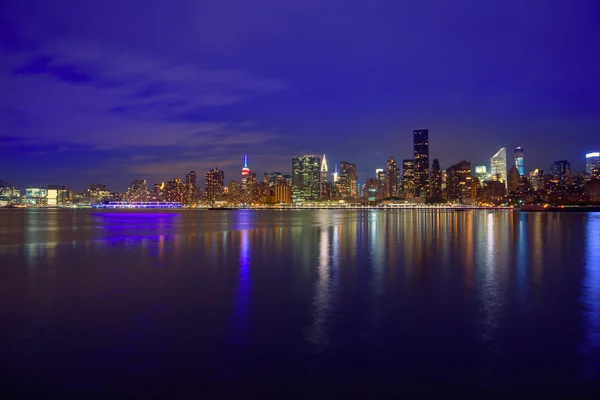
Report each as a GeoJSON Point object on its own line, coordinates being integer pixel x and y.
{"type": "Point", "coordinates": [299, 303]}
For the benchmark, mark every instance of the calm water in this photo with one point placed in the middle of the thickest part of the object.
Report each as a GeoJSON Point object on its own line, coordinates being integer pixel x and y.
{"type": "Point", "coordinates": [313, 303]}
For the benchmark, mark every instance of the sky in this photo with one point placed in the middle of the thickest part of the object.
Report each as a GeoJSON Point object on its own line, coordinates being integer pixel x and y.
{"type": "Point", "coordinates": [109, 91]}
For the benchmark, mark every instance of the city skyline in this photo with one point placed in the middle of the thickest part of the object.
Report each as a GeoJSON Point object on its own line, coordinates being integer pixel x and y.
{"type": "Point", "coordinates": [190, 86]}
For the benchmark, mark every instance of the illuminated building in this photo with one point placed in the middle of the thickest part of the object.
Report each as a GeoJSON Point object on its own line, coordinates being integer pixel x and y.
{"type": "Point", "coordinates": [274, 178]}
{"type": "Point", "coordinates": [592, 163]}
{"type": "Point", "coordinates": [325, 188]}
{"type": "Point", "coordinates": [348, 180]}
{"type": "Point", "coordinates": [245, 169]}
{"type": "Point", "coordinates": [460, 185]}
{"type": "Point", "coordinates": [214, 186]}
{"type": "Point", "coordinates": [52, 196]}
{"type": "Point", "coordinates": [35, 196]}
{"type": "Point", "coordinates": [421, 151]}
{"type": "Point", "coordinates": [481, 173]}
{"type": "Point", "coordinates": [408, 179]}
{"type": "Point", "coordinates": [324, 169]}
{"type": "Point", "coordinates": [519, 154]}
{"type": "Point", "coordinates": [306, 178]}
{"type": "Point", "coordinates": [381, 181]}
{"type": "Point", "coordinates": [282, 193]}
{"type": "Point", "coordinates": [9, 194]}
{"type": "Point", "coordinates": [391, 184]}
{"type": "Point", "coordinates": [137, 191]}
{"type": "Point", "coordinates": [498, 164]}
{"type": "Point", "coordinates": [175, 191]}
{"type": "Point", "coordinates": [436, 179]}
{"type": "Point", "coordinates": [192, 195]}
{"type": "Point", "coordinates": [159, 192]}
{"type": "Point", "coordinates": [513, 179]}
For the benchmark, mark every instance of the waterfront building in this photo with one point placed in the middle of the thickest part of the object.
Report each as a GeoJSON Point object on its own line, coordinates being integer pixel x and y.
{"type": "Point", "coordinates": [282, 193]}
{"type": "Point", "coordinates": [214, 186]}
{"type": "Point", "coordinates": [137, 191]}
{"type": "Point", "coordinates": [175, 191]}
{"type": "Point", "coordinates": [306, 178]}
{"type": "Point", "coordinates": [192, 195]}
{"type": "Point", "coordinates": [498, 164]}
{"type": "Point", "coordinates": [534, 178]}
{"type": "Point", "coordinates": [97, 193]}
{"type": "Point", "coordinates": [421, 159]}
{"type": "Point", "coordinates": [561, 170]}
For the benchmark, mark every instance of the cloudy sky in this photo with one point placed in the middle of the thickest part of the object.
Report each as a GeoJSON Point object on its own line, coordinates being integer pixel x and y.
{"type": "Point", "coordinates": [109, 91]}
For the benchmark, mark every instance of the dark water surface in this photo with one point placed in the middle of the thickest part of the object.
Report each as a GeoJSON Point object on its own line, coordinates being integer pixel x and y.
{"type": "Point", "coordinates": [313, 303]}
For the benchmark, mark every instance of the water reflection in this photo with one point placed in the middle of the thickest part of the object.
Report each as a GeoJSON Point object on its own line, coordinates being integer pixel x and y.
{"type": "Point", "coordinates": [322, 293]}
{"type": "Point", "coordinates": [241, 304]}
{"type": "Point", "coordinates": [591, 299]}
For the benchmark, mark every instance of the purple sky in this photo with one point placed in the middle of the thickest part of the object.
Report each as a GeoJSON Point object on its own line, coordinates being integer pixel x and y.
{"type": "Point", "coordinates": [109, 91]}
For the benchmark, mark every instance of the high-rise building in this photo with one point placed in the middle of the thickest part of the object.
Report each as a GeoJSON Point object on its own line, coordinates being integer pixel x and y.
{"type": "Point", "coordinates": [391, 183]}
{"type": "Point", "coordinates": [191, 188]}
{"type": "Point", "coordinates": [459, 185]}
{"type": "Point", "coordinates": [421, 147]}
{"type": "Point", "coordinates": [325, 189]}
{"type": "Point", "coordinates": [381, 180]}
{"type": "Point", "coordinates": [176, 190]}
{"type": "Point", "coordinates": [348, 180]}
{"type": "Point", "coordinates": [592, 163]}
{"type": "Point", "coordinates": [534, 178]}
{"type": "Point", "coordinates": [436, 179]}
{"type": "Point", "coordinates": [282, 193]}
{"type": "Point", "coordinates": [306, 178]}
{"type": "Point", "coordinates": [519, 154]}
{"type": "Point", "coordinates": [370, 189]}
{"type": "Point", "coordinates": [498, 164]}
{"type": "Point", "coordinates": [214, 186]}
{"type": "Point", "coordinates": [513, 179]}
{"type": "Point", "coordinates": [408, 179]}
{"type": "Point", "coordinates": [97, 193]}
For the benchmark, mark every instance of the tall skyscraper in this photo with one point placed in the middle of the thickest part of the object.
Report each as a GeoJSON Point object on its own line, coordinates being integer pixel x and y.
{"type": "Point", "coordinates": [191, 187]}
{"type": "Point", "coordinates": [459, 183]}
{"type": "Point", "coordinates": [408, 179]}
{"type": "Point", "coordinates": [325, 188]}
{"type": "Point", "coordinates": [392, 178]}
{"type": "Point", "coordinates": [436, 179]}
{"type": "Point", "coordinates": [214, 186]}
{"type": "Point", "coordinates": [421, 147]}
{"type": "Point", "coordinates": [138, 191]}
{"type": "Point", "coordinates": [519, 154]}
{"type": "Point", "coordinates": [306, 178]}
{"type": "Point", "coordinates": [348, 180]}
{"type": "Point", "coordinates": [592, 162]}
{"type": "Point", "coordinates": [498, 164]}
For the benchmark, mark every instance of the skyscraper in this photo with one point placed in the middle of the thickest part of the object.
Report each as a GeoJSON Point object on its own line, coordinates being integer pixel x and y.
{"type": "Point", "coordinates": [592, 162]}
{"type": "Point", "coordinates": [348, 180]}
{"type": "Point", "coordinates": [381, 180]}
{"type": "Point", "coordinates": [519, 154]}
{"type": "Point", "coordinates": [561, 170]}
{"type": "Point", "coordinates": [498, 164]}
{"type": "Point", "coordinates": [325, 188]}
{"type": "Point", "coordinates": [408, 179]}
{"type": "Point", "coordinates": [421, 147]}
{"type": "Point", "coordinates": [215, 183]}
{"type": "Point", "coordinates": [436, 179]}
{"type": "Point", "coordinates": [392, 178]}
{"type": "Point", "coordinates": [138, 191]}
{"type": "Point", "coordinates": [191, 188]}
{"type": "Point", "coordinates": [306, 178]}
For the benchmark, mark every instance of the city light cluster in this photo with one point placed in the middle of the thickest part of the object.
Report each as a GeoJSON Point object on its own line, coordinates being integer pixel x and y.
{"type": "Point", "coordinates": [411, 181]}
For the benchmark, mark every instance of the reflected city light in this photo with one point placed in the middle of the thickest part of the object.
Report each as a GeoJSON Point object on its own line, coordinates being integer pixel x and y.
{"type": "Point", "coordinates": [241, 305]}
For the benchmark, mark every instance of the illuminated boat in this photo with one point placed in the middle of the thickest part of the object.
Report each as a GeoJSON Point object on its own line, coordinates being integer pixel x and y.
{"type": "Point", "coordinates": [139, 204]}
